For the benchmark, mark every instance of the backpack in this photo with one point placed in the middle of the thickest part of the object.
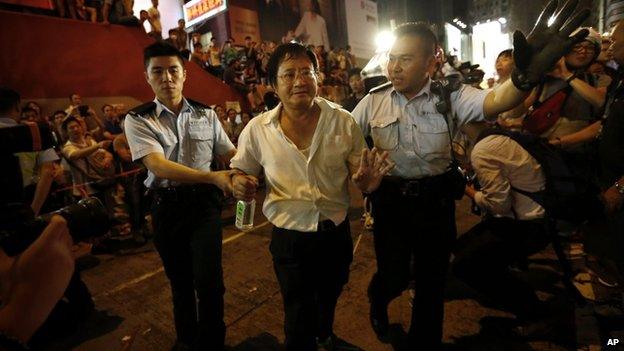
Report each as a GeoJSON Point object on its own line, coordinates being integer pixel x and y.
{"type": "Point", "coordinates": [567, 195]}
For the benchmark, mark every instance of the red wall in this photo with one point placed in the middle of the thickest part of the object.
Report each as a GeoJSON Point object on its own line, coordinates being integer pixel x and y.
{"type": "Point", "coordinates": [48, 57]}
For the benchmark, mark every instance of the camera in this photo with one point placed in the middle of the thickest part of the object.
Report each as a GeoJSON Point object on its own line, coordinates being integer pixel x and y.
{"type": "Point", "coordinates": [19, 227]}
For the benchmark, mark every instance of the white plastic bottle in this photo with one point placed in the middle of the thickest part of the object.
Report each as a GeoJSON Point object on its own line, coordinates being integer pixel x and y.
{"type": "Point", "coordinates": [245, 214]}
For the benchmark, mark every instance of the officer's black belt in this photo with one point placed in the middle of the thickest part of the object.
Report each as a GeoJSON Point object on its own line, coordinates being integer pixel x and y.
{"type": "Point", "coordinates": [419, 187]}
{"type": "Point", "coordinates": [326, 225]}
{"type": "Point", "coordinates": [184, 192]}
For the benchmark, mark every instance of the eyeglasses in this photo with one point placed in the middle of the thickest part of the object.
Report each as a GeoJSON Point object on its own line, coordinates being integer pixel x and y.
{"type": "Point", "coordinates": [305, 74]}
{"type": "Point", "coordinates": [580, 47]}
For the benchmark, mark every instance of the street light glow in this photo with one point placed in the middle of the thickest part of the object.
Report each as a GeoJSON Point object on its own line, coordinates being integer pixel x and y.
{"type": "Point", "coordinates": [384, 41]}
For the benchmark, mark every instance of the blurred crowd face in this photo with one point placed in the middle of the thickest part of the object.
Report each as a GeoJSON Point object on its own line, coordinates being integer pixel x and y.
{"type": "Point", "coordinates": [109, 112]}
{"type": "Point", "coordinates": [76, 100]}
{"type": "Point", "coordinates": [504, 66]}
{"type": "Point", "coordinates": [74, 130]}
{"type": "Point", "coordinates": [231, 115]}
{"type": "Point", "coordinates": [408, 65]}
{"type": "Point", "coordinates": [617, 43]}
{"type": "Point", "coordinates": [356, 84]}
{"type": "Point", "coordinates": [581, 55]}
{"type": "Point", "coordinates": [296, 83]}
{"type": "Point", "coordinates": [245, 118]}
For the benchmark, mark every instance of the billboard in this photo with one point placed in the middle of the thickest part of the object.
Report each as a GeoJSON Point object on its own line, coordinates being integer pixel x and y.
{"type": "Point", "coordinates": [199, 10]}
{"type": "Point", "coordinates": [362, 25]}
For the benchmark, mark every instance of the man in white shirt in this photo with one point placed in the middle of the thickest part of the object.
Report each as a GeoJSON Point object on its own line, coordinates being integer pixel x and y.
{"type": "Point", "coordinates": [308, 148]}
{"type": "Point", "coordinates": [514, 227]}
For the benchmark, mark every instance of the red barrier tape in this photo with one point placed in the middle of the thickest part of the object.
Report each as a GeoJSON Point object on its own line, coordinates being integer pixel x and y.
{"type": "Point", "coordinates": [82, 187]}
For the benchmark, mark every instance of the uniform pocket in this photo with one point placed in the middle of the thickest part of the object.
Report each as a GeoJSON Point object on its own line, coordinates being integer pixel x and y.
{"type": "Point", "coordinates": [201, 140]}
{"type": "Point", "coordinates": [433, 139]}
{"type": "Point", "coordinates": [385, 132]}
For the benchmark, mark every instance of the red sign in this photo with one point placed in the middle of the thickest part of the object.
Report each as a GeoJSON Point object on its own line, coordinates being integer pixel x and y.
{"type": "Point", "coordinates": [199, 10]}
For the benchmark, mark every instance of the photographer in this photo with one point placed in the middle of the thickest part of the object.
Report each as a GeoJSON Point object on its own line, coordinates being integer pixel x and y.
{"type": "Point", "coordinates": [514, 228]}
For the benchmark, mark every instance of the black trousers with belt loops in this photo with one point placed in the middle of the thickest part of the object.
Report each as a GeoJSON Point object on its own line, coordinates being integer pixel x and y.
{"type": "Point", "coordinates": [188, 235]}
{"type": "Point", "coordinates": [414, 234]}
{"type": "Point", "coordinates": [311, 269]}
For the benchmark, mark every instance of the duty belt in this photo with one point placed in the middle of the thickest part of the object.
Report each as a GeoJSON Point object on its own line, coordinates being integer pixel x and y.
{"type": "Point", "coordinates": [418, 187]}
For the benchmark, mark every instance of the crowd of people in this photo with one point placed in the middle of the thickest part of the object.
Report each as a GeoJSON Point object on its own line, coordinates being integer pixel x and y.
{"type": "Point", "coordinates": [554, 108]}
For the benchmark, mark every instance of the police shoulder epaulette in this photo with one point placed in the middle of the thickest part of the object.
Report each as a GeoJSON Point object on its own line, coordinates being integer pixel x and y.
{"type": "Point", "coordinates": [197, 104]}
{"type": "Point", "coordinates": [382, 87]}
{"type": "Point", "coordinates": [143, 109]}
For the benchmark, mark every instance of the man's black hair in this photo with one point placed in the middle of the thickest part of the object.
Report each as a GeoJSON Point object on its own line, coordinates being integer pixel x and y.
{"type": "Point", "coordinates": [57, 112]}
{"type": "Point", "coordinates": [422, 31]}
{"type": "Point", "coordinates": [67, 121]}
{"type": "Point", "coordinates": [9, 99]}
{"type": "Point", "coordinates": [159, 49]}
{"type": "Point", "coordinates": [286, 52]}
{"type": "Point", "coordinates": [505, 53]}
{"type": "Point", "coordinates": [27, 109]}
{"type": "Point", "coordinates": [248, 37]}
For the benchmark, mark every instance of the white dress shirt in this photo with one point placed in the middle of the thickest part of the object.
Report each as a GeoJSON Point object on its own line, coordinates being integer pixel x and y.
{"type": "Point", "coordinates": [501, 163]}
{"type": "Point", "coordinates": [301, 190]}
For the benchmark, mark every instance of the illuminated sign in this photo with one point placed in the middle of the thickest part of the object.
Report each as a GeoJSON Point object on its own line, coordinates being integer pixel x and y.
{"type": "Point", "coordinates": [199, 10]}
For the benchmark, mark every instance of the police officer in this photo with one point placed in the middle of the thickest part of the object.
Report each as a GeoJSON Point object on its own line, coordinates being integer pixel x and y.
{"type": "Point", "coordinates": [413, 208]}
{"type": "Point", "coordinates": [176, 138]}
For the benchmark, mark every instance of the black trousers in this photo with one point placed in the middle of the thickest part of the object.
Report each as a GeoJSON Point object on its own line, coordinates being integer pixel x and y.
{"type": "Point", "coordinates": [311, 269]}
{"type": "Point", "coordinates": [413, 237]}
{"type": "Point", "coordinates": [485, 252]}
{"type": "Point", "coordinates": [187, 235]}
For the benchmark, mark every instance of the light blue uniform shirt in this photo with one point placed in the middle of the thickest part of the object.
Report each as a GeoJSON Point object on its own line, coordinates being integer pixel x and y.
{"type": "Point", "coordinates": [191, 138]}
{"type": "Point", "coordinates": [413, 132]}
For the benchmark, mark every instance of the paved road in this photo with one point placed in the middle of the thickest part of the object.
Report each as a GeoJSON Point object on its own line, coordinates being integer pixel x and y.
{"type": "Point", "coordinates": [132, 288]}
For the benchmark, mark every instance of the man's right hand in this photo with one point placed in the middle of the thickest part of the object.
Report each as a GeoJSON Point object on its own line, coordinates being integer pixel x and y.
{"type": "Point", "coordinates": [244, 186]}
{"type": "Point", "coordinates": [536, 54]}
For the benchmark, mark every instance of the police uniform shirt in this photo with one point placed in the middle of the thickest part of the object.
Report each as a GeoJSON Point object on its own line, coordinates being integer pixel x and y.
{"type": "Point", "coordinates": [192, 138]}
{"type": "Point", "coordinates": [412, 131]}
{"type": "Point", "coordinates": [303, 187]}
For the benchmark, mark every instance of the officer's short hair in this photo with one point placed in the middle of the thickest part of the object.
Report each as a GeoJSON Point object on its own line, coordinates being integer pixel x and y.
{"type": "Point", "coordinates": [9, 99]}
{"type": "Point", "coordinates": [158, 49]}
{"type": "Point", "coordinates": [421, 30]}
{"type": "Point", "coordinates": [286, 52]}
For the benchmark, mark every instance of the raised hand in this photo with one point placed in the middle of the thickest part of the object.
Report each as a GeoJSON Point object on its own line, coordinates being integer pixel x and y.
{"type": "Point", "coordinates": [373, 166]}
{"type": "Point", "coordinates": [536, 54]}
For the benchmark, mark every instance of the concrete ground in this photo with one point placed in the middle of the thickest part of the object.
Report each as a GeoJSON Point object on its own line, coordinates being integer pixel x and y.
{"type": "Point", "coordinates": [132, 294]}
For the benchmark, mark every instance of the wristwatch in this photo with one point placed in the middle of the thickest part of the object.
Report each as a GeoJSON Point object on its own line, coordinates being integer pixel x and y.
{"type": "Point", "coordinates": [619, 187]}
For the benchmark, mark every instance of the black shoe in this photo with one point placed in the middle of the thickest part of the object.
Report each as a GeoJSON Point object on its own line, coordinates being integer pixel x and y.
{"type": "Point", "coordinates": [180, 346]}
{"type": "Point", "coordinates": [379, 319]}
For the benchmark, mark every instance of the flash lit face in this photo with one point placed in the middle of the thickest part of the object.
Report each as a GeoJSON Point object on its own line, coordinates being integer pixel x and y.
{"type": "Point", "coordinates": [409, 64]}
{"type": "Point", "coordinates": [166, 76]}
{"type": "Point", "coordinates": [297, 83]}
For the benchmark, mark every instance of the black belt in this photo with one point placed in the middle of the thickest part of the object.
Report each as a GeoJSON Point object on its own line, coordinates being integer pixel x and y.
{"type": "Point", "coordinates": [183, 192]}
{"type": "Point", "coordinates": [326, 225]}
{"type": "Point", "coordinates": [419, 187]}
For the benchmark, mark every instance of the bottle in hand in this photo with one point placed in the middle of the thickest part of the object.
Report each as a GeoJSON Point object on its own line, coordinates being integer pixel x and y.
{"type": "Point", "coordinates": [245, 214]}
